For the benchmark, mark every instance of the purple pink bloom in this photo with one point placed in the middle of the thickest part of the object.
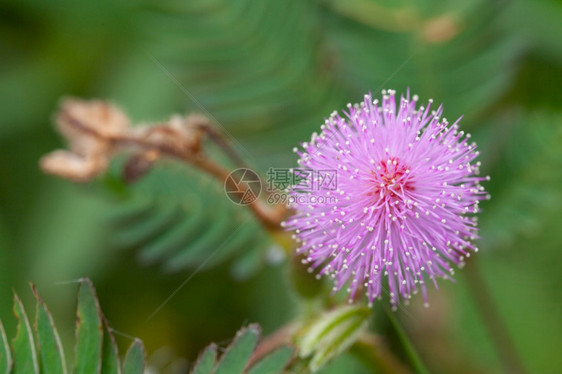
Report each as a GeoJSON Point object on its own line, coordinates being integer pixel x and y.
{"type": "Point", "coordinates": [402, 212]}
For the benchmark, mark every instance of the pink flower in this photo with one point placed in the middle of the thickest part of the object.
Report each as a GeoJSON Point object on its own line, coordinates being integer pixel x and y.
{"type": "Point", "coordinates": [402, 211]}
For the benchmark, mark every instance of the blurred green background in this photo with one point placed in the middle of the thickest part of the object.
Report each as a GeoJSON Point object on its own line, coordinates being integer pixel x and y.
{"type": "Point", "coordinates": [270, 71]}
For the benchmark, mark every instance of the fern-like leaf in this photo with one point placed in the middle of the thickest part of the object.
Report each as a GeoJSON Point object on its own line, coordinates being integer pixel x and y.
{"type": "Point", "coordinates": [235, 359]}
{"type": "Point", "coordinates": [180, 218]}
{"type": "Point", "coordinates": [38, 349]}
{"type": "Point", "coordinates": [271, 71]}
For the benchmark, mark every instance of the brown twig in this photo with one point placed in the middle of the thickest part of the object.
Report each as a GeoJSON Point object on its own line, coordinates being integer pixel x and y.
{"type": "Point", "coordinates": [211, 131]}
{"type": "Point", "coordinates": [97, 130]}
{"type": "Point", "coordinates": [270, 217]}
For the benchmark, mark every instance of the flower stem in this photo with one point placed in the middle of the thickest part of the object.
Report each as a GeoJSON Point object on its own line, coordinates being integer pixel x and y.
{"type": "Point", "coordinates": [492, 320]}
{"type": "Point", "coordinates": [371, 351]}
{"type": "Point", "coordinates": [409, 349]}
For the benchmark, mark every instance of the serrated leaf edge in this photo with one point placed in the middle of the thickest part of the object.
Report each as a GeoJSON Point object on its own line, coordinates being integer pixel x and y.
{"type": "Point", "coordinates": [19, 305]}
{"type": "Point", "coordinates": [41, 304]}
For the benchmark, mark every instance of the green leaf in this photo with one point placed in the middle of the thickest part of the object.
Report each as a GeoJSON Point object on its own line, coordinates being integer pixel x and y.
{"type": "Point", "coordinates": [134, 360]}
{"type": "Point", "coordinates": [89, 331]}
{"type": "Point", "coordinates": [274, 362]}
{"type": "Point", "coordinates": [110, 355]}
{"type": "Point", "coordinates": [332, 333]}
{"type": "Point", "coordinates": [5, 354]}
{"type": "Point", "coordinates": [164, 216]}
{"type": "Point", "coordinates": [206, 361]}
{"type": "Point", "coordinates": [51, 355]}
{"type": "Point", "coordinates": [238, 353]}
{"type": "Point", "coordinates": [149, 224]}
{"type": "Point", "coordinates": [345, 339]}
{"type": "Point", "coordinates": [237, 356]}
{"type": "Point", "coordinates": [25, 354]}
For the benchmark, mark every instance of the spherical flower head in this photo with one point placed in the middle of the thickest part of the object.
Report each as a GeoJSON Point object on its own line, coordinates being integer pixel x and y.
{"type": "Point", "coordinates": [402, 210]}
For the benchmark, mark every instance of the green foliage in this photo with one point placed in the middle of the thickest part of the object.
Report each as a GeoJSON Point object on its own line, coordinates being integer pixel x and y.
{"type": "Point", "coordinates": [134, 359]}
{"type": "Point", "coordinates": [277, 68]}
{"type": "Point", "coordinates": [206, 362]}
{"type": "Point", "coordinates": [23, 344]}
{"type": "Point", "coordinates": [5, 353]}
{"type": "Point", "coordinates": [331, 334]}
{"type": "Point", "coordinates": [181, 218]}
{"type": "Point", "coordinates": [269, 71]}
{"type": "Point", "coordinates": [89, 332]}
{"type": "Point", "coordinates": [235, 359]}
{"type": "Point", "coordinates": [39, 350]}
{"type": "Point", "coordinates": [110, 363]}
{"type": "Point", "coordinates": [237, 355]}
{"type": "Point", "coordinates": [273, 363]}
{"type": "Point", "coordinates": [51, 354]}
{"type": "Point", "coordinates": [525, 189]}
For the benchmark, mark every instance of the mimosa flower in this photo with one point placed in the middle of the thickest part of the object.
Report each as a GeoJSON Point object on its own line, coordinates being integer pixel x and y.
{"type": "Point", "coordinates": [407, 191]}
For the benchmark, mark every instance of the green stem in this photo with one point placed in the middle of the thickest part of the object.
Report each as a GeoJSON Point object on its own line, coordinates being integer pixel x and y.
{"type": "Point", "coordinates": [493, 320]}
{"type": "Point", "coordinates": [372, 352]}
{"type": "Point", "coordinates": [409, 349]}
